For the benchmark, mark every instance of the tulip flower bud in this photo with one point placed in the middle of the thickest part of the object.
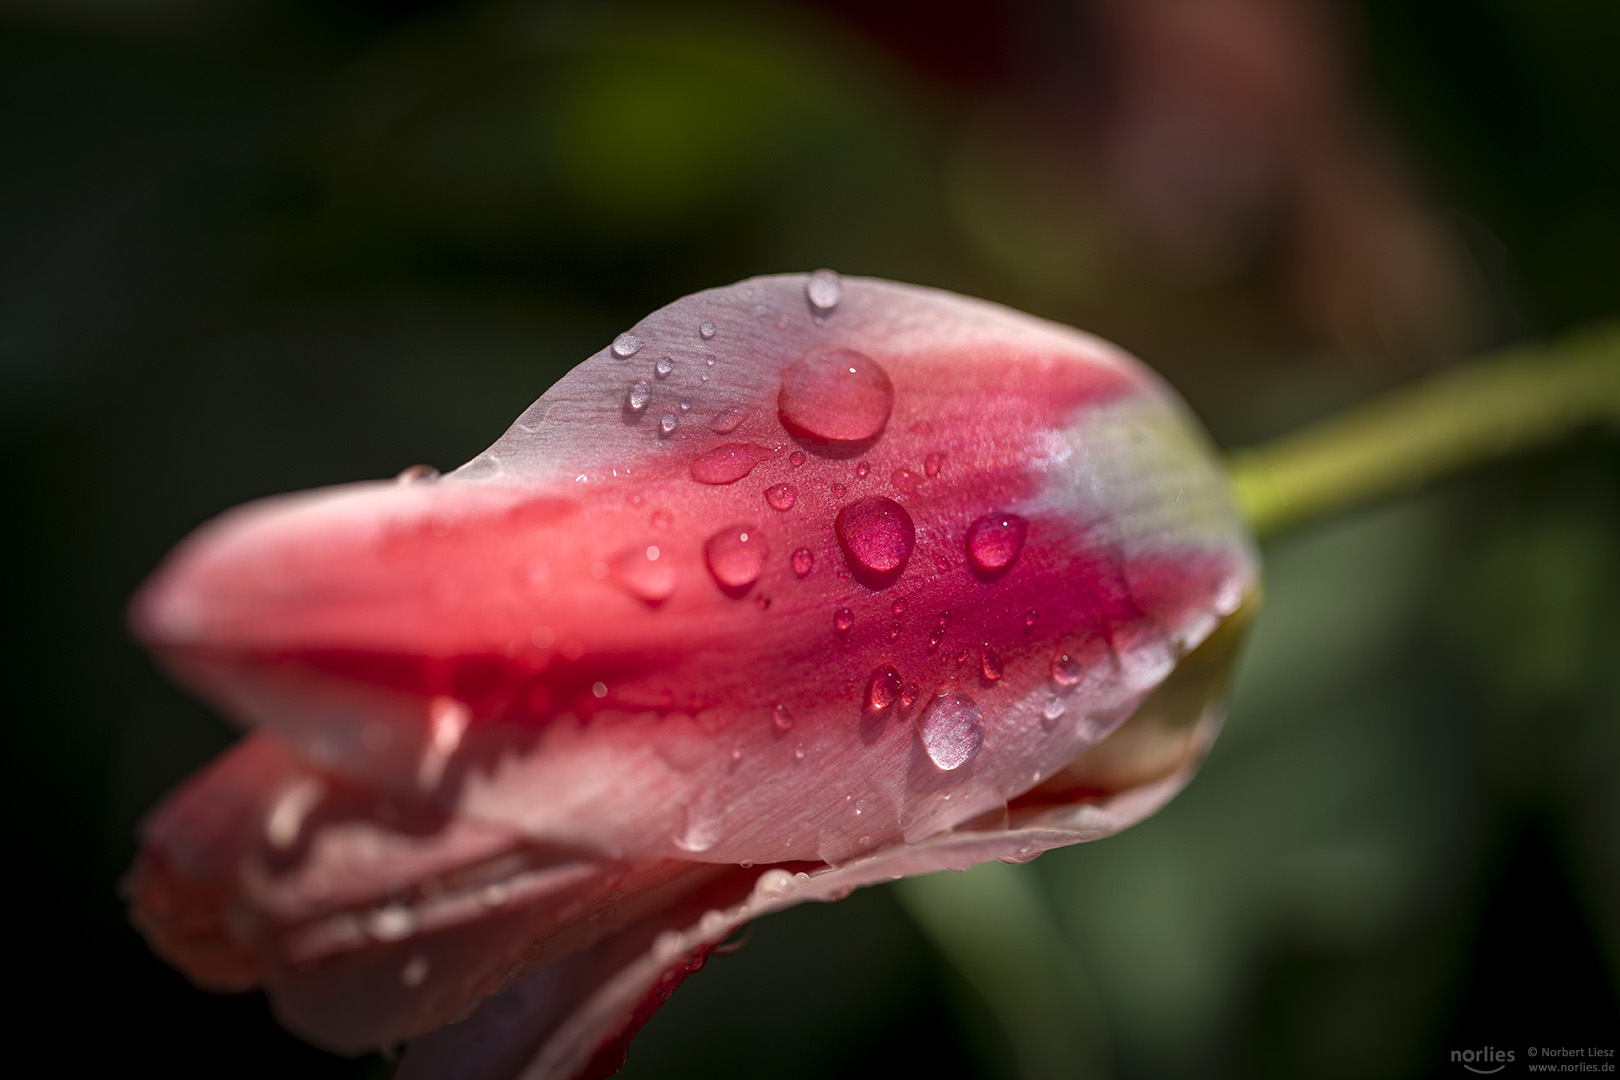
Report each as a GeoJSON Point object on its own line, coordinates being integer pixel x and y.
{"type": "Point", "coordinates": [801, 584]}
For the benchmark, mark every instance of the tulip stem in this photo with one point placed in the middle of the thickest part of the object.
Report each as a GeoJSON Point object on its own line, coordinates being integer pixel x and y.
{"type": "Point", "coordinates": [1501, 405]}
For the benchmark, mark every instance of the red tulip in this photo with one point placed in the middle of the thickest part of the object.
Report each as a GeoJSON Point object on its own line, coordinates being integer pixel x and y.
{"type": "Point", "coordinates": [801, 585]}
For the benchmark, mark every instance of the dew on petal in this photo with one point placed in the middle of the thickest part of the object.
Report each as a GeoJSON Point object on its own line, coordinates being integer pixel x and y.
{"type": "Point", "coordinates": [994, 542]}
{"type": "Point", "coordinates": [1066, 670]}
{"type": "Point", "coordinates": [782, 718]}
{"type": "Point", "coordinates": [989, 663]}
{"type": "Point", "coordinates": [803, 561]}
{"type": "Point", "coordinates": [703, 830]}
{"type": "Point", "coordinates": [626, 345]}
{"type": "Point", "coordinates": [664, 366]}
{"type": "Point", "coordinates": [640, 394]}
{"type": "Point", "coordinates": [706, 330]}
{"type": "Point", "coordinates": [904, 480]}
{"type": "Point", "coordinates": [1053, 708]}
{"type": "Point", "coordinates": [669, 423]}
{"type": "Point", "coordinates": [843, 619]}
{"type": "Point", "coordinates": [417, 474]}
{"type": "Point", "coordinates": [646, 572]}
{"type": "Point", "coordinates": [736, 556]}
{"type": "Point", "coordinates": [728, 463]}
{"type": "Point", "coordinates": [824, 289]}
{"type": "Point", "coordinates": [931, 464]}
{"type": "Point", "coordinates": [898, 608]}
{"type": "Point", "coordinates": [861, 470]}
{"type": "Point", "coordinates": [883, 691]}
{"type": "Point", "coordinates": [835, 395]}
{"type": "Point", "coordinates": [781, 496]}
{"type": "Point", "coordinates": [877, 536]}
{"type": "Point", "coordinates": [796, 458]}
{"type": "Point", "coordinates": [724, 423]}
{"type": "Point", "coordinates": [951, 730]}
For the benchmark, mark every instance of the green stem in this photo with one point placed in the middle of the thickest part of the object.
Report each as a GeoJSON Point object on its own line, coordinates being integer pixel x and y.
{"type": "Point", "coordinates": [1495, 407]}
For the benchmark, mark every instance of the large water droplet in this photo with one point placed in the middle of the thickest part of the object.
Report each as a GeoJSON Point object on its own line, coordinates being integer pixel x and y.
{"type": "Point", "coordinates": [877, 536]}
{"type": "Point", "coordinates": [727, 464]}
{"type": "Point", "coordinates": [724, 423]}
{"type": "Point", "coordinates": [781, 496]}
{"type": "Point", "coordinates": [993, 544]}
{"type": "Point", "coordinates": [1066, 670]}
{"type": "Point", "coordinates": [803, 561]}
{"type": "Point", "coordinates": [952, 730]}
{"type": "Point", "coordinates": [835, 395]}
{"type": "Point", "coordinates": [736, 555]}
{"type": "Point", "coordinates": [626, 345]}
{"type": "Point", "coordinates": [706, 330]}
{"type": "Point", "coordinates": [664, 366]}
{"type": "Point", "coordinates": [646, 571]}
{"type": "Point", "coordinates": [640, 394]}
{"type": "Point", "coordinates": [824, 289]}
{"type": "Point", "coordinates": [883, 691]}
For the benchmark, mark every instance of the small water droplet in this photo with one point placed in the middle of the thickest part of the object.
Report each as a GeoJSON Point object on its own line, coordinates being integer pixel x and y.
{"type": "Point", "coordinates": [922, 427]}
{"type": "Point", "coordinates": [938, 633]}
{"type": "Point", "coordinates": [396, 922]}
{"type": "Point", "coordinates": [961, 657]}
{"type": "Point", "coordinates": [989, 663]}
{"type": "Point", "coordinates": [626, 345]}
{"type": "Point", "coordinates": [1053, 708]}
{"type": "Point", "coordinates": [762, 602]}
{"type": "Point", "coordinates": [1066, 670]}
{"type": "Point", "coordinates": [835, 395]}
{"type": "Point", "coordinates": [909, 695]}
{"type": "Point", "coordinates": [736, 556]}
{"type": "Point", "coordinates": [703, 829]}
{"type": "Point", "coordinates": [904, 480]}
{"type": "Point", "coordinates": [728, 463]}
{"type": "Point", "coordinates": [932, 462]}
{"type": "Point", "coordinates": [664, 366]}
{"type": "Point", "coordinates": [417, 474]}
{"type": "Point", "coordinates": [941, 563]}
{"type": "Point", "coordinates": [640, 394]}
{"type": "Point", "coordinates": [706, 330]}
{"type": "Point", "coordinates": [796, 458]}
{"type": "Point", "coordinates": [843, 619]}
{"type": "Point", "coordinates": [661, 520]}
{"type": "Point", "coordinates": [686, 404]}
{"type": "Point", "coordinates": [645, 571]}
{"type": "Point", "coordinates": [894, 631]}
{"type": "Point", "coordinates": [781, 496]}
{"type": "Point", "coordinates": [724, 423]}
{"type": "Point", "coordinates": [952, 730]}
{"type": "Point", "coordinates": [993, 544]}
{"type": "Point", "coordinates": [773, 883]}
{"type": "Point", "coordinates": [861, 470]}
{"type": "Point", "coordinates": [824, 289]}
{"type": "Point", "coordinates": [736, 752]}
{"type": "Point", "coordinates": [803, 561]}
{"type": "Point", "coordinates": [782, 718]}
{"type": "Point", "coordinates": [599, 689]}
{"type": "Point", "coordinates": [1228, 594]}
{"type": "Point", "coordinates": [415, 972]}
{"type": "Point", "coordinates": [839, 490]}
{"type": "Point", "coordinates": [798, 752]}
{"type": "Point", "coordinates": [1031, 617]}
{"type": "Point", "coordinates": [669, 423]}
{"type": "Point", "coordinates": [882, 691]}
{"type": "Point", "coordinates": [898, 608]}
{"type": "Point", "coordinates": [877, 536]}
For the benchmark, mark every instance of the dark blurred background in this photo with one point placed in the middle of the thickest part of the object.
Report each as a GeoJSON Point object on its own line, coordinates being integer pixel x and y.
{"type": "Point", "coordinates": [251, 246]}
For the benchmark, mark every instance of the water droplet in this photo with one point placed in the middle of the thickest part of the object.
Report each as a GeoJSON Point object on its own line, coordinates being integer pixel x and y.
{"type": "Point", "coordinates": [1066, 670]}
{"type": "Point", "coordinates": [1053, 708]}
{"type": "Point", "coordinates": [909, 695]}
{"type": "Point", "coordinates": [938, 633]}
{"type": "Point", "coordinates": [839, 490]}
{"type": "Point", "coordinates": [706, 330]}
{"type": "Point", "coordinates": [1031, 617]}
{"type": "Point", "coordinates": [626, 345]}
{"type": "Point", "coordinates": [781, 496]}
{"type": "Point", "coordinates": [824, 289]}
{"type": "Point", "coordinates": [396, 922]}
{"type": "Point", "coordinates": [647, 572]}
{"type": "Point", "coordinates": [724, 423]}
{"type": "Point", "coordinates": [686, 404]}
{"type": "Point", "coordinates": [989, 663]}
{"type": "Point", "coordinates": [599, 690]}
{"type": "Point", "coordinates": [417, 474]}
{"type": "Point", "coordinates": [894, 631]}
{"type": "Point", "coordinates": [843, 619]}
{"type": "Point", "coordinates": [798, 752]}
{"type": "Point", "coordinates": [669, 423]}
{"type": "Point", "coordinates": [1228, 594]}
{"type": "Point", "coordinates": [861, 470]}
{"type": "Point", "coordinates": [773, 883]}
{"type": "Point", "coordinates": [762, 602]}
{"type": "Point", "coordinates": [952, 730]}
{"type": "Point", "coordinates": [961, 657]}
{"type": "Point", "coordinates": [728, 463]}
{"type": "Point", "coordinates": [932, 462]}
{"type": "Point", "coordinates": [640, 394]}
{"type": "Point", "coordinates": [904, 480]}
{"type": "Point", "coordinates": [898, 608]}
{"type": "Point", "coordinates": [877, 536]}
{"type": "Point", "coordinates": [736, 752]}
{"type": "Point", "coordinates": [664, 366]}
{"type": "Point", "coordinates": [796, 458]}
{"type": "Point", "coordinates": [835, 395]}
{"type": "Point", "coordinates": [882, 691]}
{"type": "Point", "coordinates": [736, 555]}
{"type": "Point", "coordinates": [661, 520]}
{"type": "Point", "coordinates": [803, 561]}
{"type": "Point", "coordinates": [703, 829]}
{"type": "Point", "coordinates": [782, 718]}
{"type": "Point", "coordinates": [993, 544]}
{"type": "Point", "coordinates": [414, 972]}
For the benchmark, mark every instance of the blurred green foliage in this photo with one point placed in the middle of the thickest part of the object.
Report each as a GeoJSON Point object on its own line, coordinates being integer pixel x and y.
{"type": "Point", "coordinates": [251, 246]}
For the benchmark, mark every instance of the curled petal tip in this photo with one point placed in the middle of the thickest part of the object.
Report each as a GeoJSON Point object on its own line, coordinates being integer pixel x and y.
{"type": "Point", "coordinates": [838, 590]}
